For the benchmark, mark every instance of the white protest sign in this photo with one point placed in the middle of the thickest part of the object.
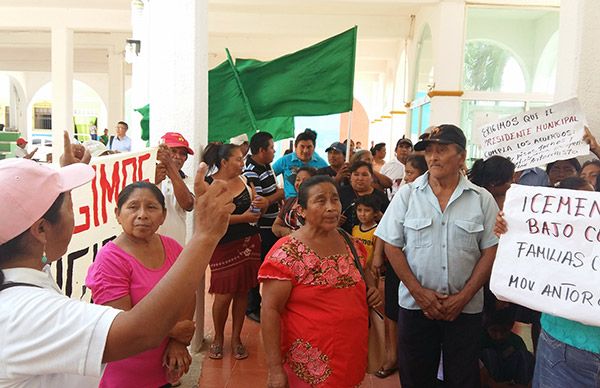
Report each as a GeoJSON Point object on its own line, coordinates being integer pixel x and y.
{"type": "Point", "coordinates": [538, 136]}
{"type": "Point", "coordinates": [549, 260]}
{"type": "Point", "coordinates": [95, 222]}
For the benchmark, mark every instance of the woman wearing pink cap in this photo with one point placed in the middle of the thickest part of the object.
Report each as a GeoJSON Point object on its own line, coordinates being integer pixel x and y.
{"type": "Point", "coordinates": [49, 340]}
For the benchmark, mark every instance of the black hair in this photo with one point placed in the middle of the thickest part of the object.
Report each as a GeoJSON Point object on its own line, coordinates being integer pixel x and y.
{"type": "Point", "coordinates": [130, 188]}
{"type": "Point", "coordinates": [214, 153]}
{"type": "Point", "coordinates": [259, 140]}
{"type": "Point", "coordinates": [593, 162]}
{"type": "Point", "coordinates": [123, 123]}
{"type": "Point", "coordinates": [308, 134]}
{"type": "Point", "coordinates": [377, 147]}
{"type": "Point", "coordinates": [491, 172]}
{"type": "Point", "coordinates": [358, 164]}
{"type": "Point", "coordinates": [573, 183]}
{"type": "Point", "coordinates": [403, 140]}
{"type": "Point", "coordinates": [368, 201]}
{"type": "Point", "coordinates": [573, 161]}
{"type": "Point", "coordinates": [310, 170]}
{"type": "Point", "coordinates": [418, 162]}
{"type": "Point", "coordinates": [305, 187]}
{"type": "Point", "coordinates": [14, 246]}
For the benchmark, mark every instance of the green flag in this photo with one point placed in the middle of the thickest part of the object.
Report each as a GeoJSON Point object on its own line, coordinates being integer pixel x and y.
{"type": "Point", "coordinates": [145, 121]}
{"type": "Point", "coordinates": [315, 81]}
{"type": "Point", "coordinates": [228, 114]}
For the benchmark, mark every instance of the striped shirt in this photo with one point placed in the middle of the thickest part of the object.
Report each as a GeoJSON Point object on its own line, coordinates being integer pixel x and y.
{"type": "Point", "coordinates": [263, 179]}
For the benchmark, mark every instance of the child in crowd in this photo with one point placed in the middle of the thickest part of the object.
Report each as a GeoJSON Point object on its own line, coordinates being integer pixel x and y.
{"type": "Point", "coordinates": [367, 208]}
{"type": "Point", "coordinates": [414, 168]}
{"type": "Point", "coordinates": [504, 354]}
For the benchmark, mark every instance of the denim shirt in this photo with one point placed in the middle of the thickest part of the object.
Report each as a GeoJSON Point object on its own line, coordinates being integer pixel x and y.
{"type": "Point", "coordinates": [289, 164]}
{"type": "Point", "coordinates": [442, 248]}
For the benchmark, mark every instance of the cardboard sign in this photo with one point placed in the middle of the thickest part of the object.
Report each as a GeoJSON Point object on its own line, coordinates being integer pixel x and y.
{"type": "Point", "coordinates": [94, 209]}
{"type": "Point", "coordinates": [549, 260]}
{"type": "Point", "coordinates": [538, 136]}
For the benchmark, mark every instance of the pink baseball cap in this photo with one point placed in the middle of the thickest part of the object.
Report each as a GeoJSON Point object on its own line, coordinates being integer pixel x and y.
{"type": "Point", "coordinates": [29, 189]}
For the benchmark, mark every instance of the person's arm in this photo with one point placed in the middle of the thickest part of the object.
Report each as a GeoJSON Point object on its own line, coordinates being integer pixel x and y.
{"type": "Point", "coordinates": [279, 228]}
{"type": "Point", "coordinates": [428, 300]}
{"type": "Point", "coordinates": [277, 196]}
{"type": "Point", "coordinates": [385, 182]}
{"type": "Point", "coordinates": [591, 140]}
{"type": "Point", "coordinates": [279, 165]}
{"type": "Point", "coordinates": [30, 155]}
{"type": "Point", "coordinates": [454, 304]}
{"type": "Point", "coordinates": [247, 217]}
{"type": "Point", "coordinates": [275, 294]}
{"type": "Point", "coordinates": [185, 199]}
{"type": "Point", "coordinates": [378, 257]}
{"type": "Point", "coordinates": [148, 322]}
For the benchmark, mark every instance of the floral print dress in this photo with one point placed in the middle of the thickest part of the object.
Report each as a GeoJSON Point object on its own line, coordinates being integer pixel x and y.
{"type": "Point", "coordinates": [324, 327]}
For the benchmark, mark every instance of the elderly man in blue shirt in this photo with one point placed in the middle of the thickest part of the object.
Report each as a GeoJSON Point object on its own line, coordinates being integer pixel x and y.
{"type": "Point", "coordinates": [303, 156]}
{"type": "Point", "coordinates": [439, 240]}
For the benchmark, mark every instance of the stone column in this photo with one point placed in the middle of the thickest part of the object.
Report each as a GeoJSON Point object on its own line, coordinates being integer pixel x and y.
{"type": "Point", "coordinates": [116, 92]}
{"type": "Point", "coordinates": [578, 57]}
{"type": "Point", "coordinates": [62, 87]}
{"type": "Point", "coordinates": [178, 87]}
{"type": "Point", "coordinates": [448, 43]}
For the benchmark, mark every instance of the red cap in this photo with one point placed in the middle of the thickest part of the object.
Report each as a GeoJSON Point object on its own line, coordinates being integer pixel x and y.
{"type": "Point", "coordinates": [21, 141]}
{"type": "Point", "coordinates": [174, 139]}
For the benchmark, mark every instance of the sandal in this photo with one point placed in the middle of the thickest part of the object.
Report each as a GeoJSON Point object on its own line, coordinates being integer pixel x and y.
{"type": "Point", "coordinates": [240, 352]}
{"type": "Point", "coordinates": [215, 351]}
{"type": "Point", "coordinates": [383, 373]}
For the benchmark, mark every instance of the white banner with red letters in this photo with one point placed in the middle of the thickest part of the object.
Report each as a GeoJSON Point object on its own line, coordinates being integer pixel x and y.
{"type": "Point", "coordinates": [94, 209]}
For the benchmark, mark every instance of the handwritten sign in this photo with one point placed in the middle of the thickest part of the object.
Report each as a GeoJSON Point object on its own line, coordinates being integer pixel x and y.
{"type": "Point", "coordinates": [538, 136]}
{"type": "Point", "coordinates": [95, 222]}
{"type": "Point", "coordinates": [550, 258]}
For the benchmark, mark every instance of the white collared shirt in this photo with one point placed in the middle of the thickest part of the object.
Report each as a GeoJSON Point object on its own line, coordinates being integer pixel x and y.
{"type": "Point", "coordinates": [48, 339]}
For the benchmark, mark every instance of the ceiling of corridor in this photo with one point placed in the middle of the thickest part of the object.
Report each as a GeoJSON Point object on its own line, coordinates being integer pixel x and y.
{"type": "Point", "coordinates": [262, 29]}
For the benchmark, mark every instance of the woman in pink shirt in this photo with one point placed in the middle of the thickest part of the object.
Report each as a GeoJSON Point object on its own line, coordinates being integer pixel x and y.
{"type": "Point", "coordinates": [125, 271]}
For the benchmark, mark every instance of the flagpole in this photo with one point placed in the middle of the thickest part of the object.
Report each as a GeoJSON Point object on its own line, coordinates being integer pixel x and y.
{"type": "Point", "coordinates": [348, 137]}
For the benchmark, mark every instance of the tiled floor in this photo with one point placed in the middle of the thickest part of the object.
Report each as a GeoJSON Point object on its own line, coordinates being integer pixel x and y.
{"type": "Point", "coordinates": [251, 372]}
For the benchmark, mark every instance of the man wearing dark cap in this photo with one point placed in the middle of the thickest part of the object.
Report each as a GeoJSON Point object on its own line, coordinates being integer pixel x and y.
{"type": "Point", "coordinates": [338, 168]}
{"type": "Point", "coordinates": [394, 169]}
{"type": "Point", "coordinates": [439, 240]}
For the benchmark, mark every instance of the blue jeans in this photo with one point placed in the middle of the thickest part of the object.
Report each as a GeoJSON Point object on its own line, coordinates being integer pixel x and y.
{"type": "Point", "coordinates": [560, 365]}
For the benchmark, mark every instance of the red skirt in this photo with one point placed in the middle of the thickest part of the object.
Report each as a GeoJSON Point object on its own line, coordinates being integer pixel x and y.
{"type": "Point", "coordinates": [234, 266]}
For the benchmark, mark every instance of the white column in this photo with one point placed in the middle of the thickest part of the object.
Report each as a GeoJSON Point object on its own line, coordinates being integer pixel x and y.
{"type": "Point", "coordinates": [62, 87]}
{"type": "Point", "coordinates": [140, 79]}
{"type": "Point", "coordinates": [578, 57]}
{"type": "Point", "coordinates": [178, 87]}
{"type": "Point", "coordinates": [448, 43]}
{"type": "Point", "coordinates": [116, 93]}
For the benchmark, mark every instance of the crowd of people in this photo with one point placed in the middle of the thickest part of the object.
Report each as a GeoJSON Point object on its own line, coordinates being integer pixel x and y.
{"type": "Point", "coordinates": [412, 240]}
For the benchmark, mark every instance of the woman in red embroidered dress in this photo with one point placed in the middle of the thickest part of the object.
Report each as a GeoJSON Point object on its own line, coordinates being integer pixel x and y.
{"type": "Point", "coordinates": [314, 309]}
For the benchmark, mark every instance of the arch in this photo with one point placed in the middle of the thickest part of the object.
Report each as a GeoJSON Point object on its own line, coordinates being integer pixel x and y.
{"type": "Point", "coordinates": [424, 72]}
{"type": "Point", "coordinates": [86, 102]}
{"type": "Point", "coordinates": [12, 98]}
{"type": "Point", "coordinates": [489, 64]}
{"type": "Point", "coordinates": [544, 79]}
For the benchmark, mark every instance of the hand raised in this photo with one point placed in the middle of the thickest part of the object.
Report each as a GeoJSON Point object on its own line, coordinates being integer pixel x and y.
{"type": "Point", "coordinates": [214, 205]}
